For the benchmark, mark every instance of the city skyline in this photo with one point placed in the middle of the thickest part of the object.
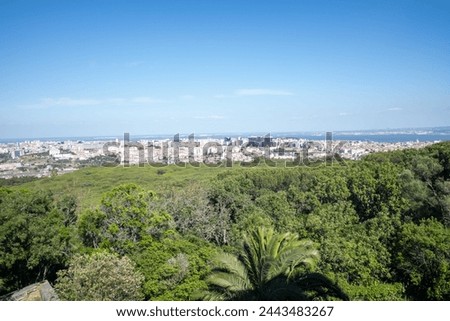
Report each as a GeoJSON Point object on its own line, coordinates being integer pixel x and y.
{"type": "Point", "coordinates": [90, 68]}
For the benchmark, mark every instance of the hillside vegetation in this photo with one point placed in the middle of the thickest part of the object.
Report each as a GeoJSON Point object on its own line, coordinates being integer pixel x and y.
{"type": "Point", "coordinates": [375, 229]}
{"type": "Point", "coordinates": [88, 184]}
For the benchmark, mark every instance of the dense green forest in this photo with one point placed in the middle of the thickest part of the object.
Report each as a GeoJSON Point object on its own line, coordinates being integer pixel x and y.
{"type": "Point", "coordinates": [375, 229]}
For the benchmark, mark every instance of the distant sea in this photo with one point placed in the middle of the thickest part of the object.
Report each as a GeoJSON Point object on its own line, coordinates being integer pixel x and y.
{"type": "Point", "coordinates": [386, 136]}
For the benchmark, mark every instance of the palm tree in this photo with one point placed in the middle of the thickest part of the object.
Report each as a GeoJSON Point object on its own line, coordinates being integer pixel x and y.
{"type": "Point", "coordinates": [270, 267]}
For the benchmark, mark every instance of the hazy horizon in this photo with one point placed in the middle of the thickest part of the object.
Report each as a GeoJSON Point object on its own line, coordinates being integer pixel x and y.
{"type": "Point", "coordinates": [392, 134]}
{"type": "Point", "coordinates": [96, 68]}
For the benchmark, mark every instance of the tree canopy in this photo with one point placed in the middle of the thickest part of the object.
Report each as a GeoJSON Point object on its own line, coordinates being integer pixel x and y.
{"type": "Point", "coordinates": [381, 226]}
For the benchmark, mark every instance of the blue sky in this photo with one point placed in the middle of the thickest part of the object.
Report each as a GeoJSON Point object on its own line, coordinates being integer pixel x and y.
{"type": "Point", "coordinates": [83, 68]}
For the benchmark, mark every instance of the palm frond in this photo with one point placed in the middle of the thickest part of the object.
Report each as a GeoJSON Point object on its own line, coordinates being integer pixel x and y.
{"type": "Point", "coordinates": [270, 267]}
{"type": "Point", "coordinates": [228, 281]}
{"type": "Point", "coordinates": [230, 263]}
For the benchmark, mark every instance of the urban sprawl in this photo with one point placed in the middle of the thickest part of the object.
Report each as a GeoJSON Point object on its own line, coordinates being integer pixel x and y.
{"type": "Point", "coordinates": [46, 158]}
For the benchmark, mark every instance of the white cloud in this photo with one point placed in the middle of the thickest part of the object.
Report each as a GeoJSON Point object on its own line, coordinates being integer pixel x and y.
{"type": "Point", "coordinates": [343, 114]}
{"type": "Point", "coordinates": [262, 92]}
{"type": "Point", "coordinates": [65, 101]}
{"type": "Point", "coordinates": [395, 109]}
